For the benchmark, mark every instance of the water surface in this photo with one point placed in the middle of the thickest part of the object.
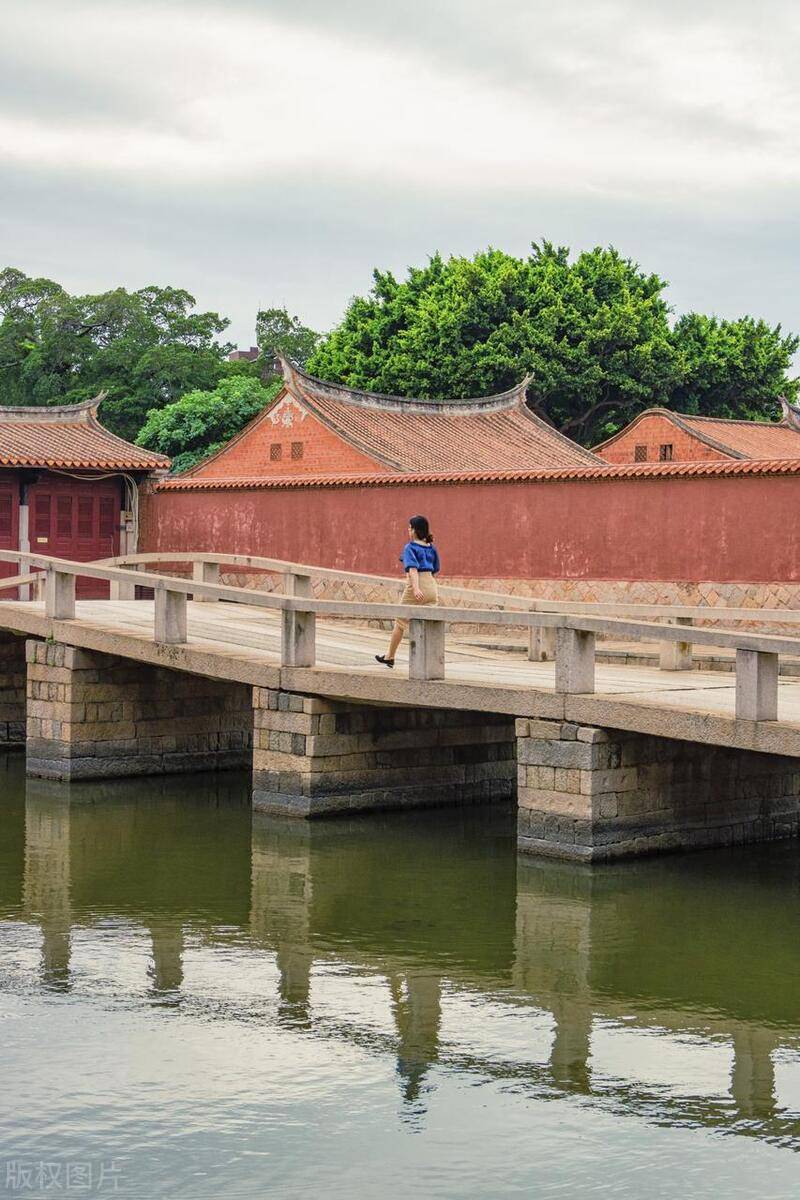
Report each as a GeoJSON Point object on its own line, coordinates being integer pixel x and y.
{"type": "Point", "coordinates": [198, 1003]}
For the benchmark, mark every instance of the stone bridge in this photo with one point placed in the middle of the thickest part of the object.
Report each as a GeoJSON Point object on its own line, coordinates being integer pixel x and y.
{"type": "Point", "coordinates": [604, 760]}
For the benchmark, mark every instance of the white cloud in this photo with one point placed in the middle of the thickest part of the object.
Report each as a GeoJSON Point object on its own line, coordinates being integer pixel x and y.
{"type": "Point", "coordinates": [229, 94]}
{"type": "Point", "coordinates": [279, 149]}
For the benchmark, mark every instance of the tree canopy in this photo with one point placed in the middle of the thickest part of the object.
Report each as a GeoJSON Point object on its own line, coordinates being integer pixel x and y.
{"type": "Point", "coordinates": [277, 332]}
{"type": "Point", "coordinates": [732, 369]}
{"type": "Point", "coordinates": [144, 348]}
{"type": "Point", "coordinates": [593, 333]}
{"type": "Point", "coordinates": [201, 422]}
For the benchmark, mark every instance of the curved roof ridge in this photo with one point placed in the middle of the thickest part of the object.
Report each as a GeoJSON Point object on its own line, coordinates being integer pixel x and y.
{"type": "Point", "coordinates": [53, 413]}
{"type": "Point", "coordinates": [782, 424]}
{"type": "Point", "coordinates": [294, 375]}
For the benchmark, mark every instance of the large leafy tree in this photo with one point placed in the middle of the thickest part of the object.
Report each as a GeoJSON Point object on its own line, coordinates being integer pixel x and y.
{"type": "Point", "coordinates": [593, 332]}
{"type": "Point", "coordinates": [201, 422]}
{"type": "Point", "coordinates": [144, 348]}
{"type": "Point", "coordinates": [732, 368]}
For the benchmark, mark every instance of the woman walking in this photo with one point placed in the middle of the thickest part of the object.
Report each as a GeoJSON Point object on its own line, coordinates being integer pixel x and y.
{"type": "Point", "coordinates": [421, 564]}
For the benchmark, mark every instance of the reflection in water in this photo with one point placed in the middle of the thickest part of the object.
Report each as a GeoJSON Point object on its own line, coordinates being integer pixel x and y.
{"type": "Point", "coordinates": [415, 937]}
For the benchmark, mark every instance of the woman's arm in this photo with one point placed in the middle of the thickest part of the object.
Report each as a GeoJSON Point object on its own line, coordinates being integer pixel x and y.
{"type": "Point", "coordinates": [413, 579]}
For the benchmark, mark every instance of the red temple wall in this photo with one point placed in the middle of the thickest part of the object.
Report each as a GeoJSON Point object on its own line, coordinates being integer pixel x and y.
{"type": "Point", "coordinates": [739, 528]}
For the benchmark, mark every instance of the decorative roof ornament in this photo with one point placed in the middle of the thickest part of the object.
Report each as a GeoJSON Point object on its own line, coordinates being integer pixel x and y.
{"type": "Point", "coordinates": [791, 414]}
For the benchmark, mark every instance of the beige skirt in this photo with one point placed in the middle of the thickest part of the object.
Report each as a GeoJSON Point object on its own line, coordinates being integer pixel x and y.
{"type": "Point", "coordinates": [430, 593]}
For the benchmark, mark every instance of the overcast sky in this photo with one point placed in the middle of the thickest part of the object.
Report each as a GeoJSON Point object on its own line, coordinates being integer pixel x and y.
{"type": "Point", "coordinates": [262, 152]}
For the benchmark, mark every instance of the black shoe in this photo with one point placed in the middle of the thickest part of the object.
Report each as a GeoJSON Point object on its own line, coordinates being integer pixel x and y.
{"type": "Point", "coordinates": [387, 662]}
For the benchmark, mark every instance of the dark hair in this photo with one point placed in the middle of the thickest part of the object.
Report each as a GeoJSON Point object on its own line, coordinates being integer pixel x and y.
{"type": "Point", "coordinates": [421, 529]}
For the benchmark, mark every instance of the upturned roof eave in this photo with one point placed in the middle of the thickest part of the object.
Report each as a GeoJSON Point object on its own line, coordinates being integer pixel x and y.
{"type": "Point", "coordinates": [410, 404]}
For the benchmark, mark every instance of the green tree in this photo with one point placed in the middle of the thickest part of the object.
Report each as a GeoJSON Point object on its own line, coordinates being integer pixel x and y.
{"type": "Point", "coordinates": [732, 369]}
{"type": "Point", "coordinates": [277, 332]}
{"type": "Point", "coordinates": [593, 334]}
{"type": "Point", "coordinates": [144, 348]}
{"type": "Point", "coordinates": [201, 422]}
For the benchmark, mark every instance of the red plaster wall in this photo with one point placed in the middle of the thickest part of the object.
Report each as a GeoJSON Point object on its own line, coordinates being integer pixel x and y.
{"type": "Point", "coordinates": [741, 528]}
{"type": "Point", "coordinates": [324, 453]}
{"type": "Point", "coordinates": [653, 432]}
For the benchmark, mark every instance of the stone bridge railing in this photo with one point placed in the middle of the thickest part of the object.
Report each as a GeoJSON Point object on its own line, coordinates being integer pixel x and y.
{"type": "Point", "coordinates": [571, 628]}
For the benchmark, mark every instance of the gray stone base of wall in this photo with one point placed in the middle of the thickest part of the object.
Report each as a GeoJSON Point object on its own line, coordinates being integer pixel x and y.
{"type": "Point", "coordinates": [93, 716]}
{"type": "Point", "coordinates": [12, 690]}
{"type": "Point", "coordinates": [595, 795]}
{"type": "Point", "coordinates": [314, 757]}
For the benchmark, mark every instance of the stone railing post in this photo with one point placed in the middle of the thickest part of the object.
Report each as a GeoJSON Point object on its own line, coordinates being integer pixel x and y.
{"type": "Point", "coordinates": [59, 595]}
{"type": "Point", "coordinates": [170, 616]}
{"type": "Point", "coordinates": [676, 656]}
{"type": "Point", "coordinates": [756, 686]}
{"type": "Point", "coordinates": [205, 572]}
{"type": "Point", "coordinates": [541, 643]}
{"type": "Point", "coordinates": [298, 629]}
{"type": "Point", "coordinates": [574, 661]}
{"type": "Point", "coordinates": [123, 589]}
{"type": "Point", "coordinates": [426, 649]}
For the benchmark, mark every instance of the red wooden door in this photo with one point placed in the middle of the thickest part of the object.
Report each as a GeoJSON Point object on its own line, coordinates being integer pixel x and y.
{"type": "Point", "coordinates": [9, 531]}
{"type": "Point", "coordinates": [79, 520]}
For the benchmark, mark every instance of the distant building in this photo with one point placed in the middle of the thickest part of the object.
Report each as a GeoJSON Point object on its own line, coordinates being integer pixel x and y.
{"type": "Point", "coordinates": [244, 355]}
{"type": "Point", "coordinates": [318, 428]}
{"type": "Point", "coordinates": [659, 435]}
{"type": "Point", "coordinates": [68, 487]}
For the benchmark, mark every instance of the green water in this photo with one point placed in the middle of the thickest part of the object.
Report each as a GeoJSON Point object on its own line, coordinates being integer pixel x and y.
{"type": "Point", "coordinates": [195, 1003]}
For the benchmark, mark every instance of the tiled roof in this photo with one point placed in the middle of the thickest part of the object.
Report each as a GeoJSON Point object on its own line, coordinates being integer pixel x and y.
{"type": "Point", "coordinates": [68, 436]}
{"type": "Point", "coordinates": [738, 439]}
{"type": "Point", "coordinates": [748, 439]}
{"type": "Point", "coordinates": [408, 435]}
{"type": "Point", "coordinates": [670, 470]}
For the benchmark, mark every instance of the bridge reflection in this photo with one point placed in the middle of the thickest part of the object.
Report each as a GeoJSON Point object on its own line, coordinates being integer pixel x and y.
{"type": "Point", "coordinates": [643, 958]}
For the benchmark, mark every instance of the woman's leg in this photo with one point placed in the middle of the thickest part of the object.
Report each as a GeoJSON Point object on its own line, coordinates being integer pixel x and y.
{"type": "Point", "coordinates": [395, 640]}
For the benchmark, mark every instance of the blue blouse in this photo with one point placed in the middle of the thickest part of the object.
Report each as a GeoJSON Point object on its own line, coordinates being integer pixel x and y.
{"type": "Point", "coordinates": [424, 558]}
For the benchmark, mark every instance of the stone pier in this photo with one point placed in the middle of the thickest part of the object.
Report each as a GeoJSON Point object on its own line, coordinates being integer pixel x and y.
{"type": "Point", "coordinates": [92, 716]}
{"type": "Point", "coordinates": [12, 690]}
{"type": "Point", "coordinates": [313, 757]}
{"type": "Point", "coordinates": [594, 794]}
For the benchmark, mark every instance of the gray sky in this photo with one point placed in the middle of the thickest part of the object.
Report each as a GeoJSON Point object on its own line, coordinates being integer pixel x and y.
{"type": "Point", "coordinates": [263, 152]}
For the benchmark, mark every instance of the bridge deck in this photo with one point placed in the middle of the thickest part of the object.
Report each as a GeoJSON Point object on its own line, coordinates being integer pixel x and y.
{"type": "Point", "coordinates": [231, 642]}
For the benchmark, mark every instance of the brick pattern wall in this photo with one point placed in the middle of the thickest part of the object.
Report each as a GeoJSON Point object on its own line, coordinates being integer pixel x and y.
{"type": "Point", "coordinates": [756, 596]}
{"type": "Point", "coordinates": [313, 757]}
{"type": "Point", "coordinates": [94, 716]}
{"type": "Point", "coordinates": [12, 690]}
{"type": "Point", "coordinates": [653, 432]}
{"type": "Point", "coordinates": [593, 794]}
{"type": "Point", "coordinates": [287, 426]}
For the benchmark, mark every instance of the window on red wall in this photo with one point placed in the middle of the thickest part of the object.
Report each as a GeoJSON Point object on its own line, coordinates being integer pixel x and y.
{"type": "Point", "coordinates": [275, 452]}
{"type": "Point", "coordinates": [64, 516]}
{"type": "Point", "coordinates": [640, 454]}
{"type": "Point", "coordinates": [41, 518]}
{"type": "Point", "coordinates": [85, 518]}
{"type": "Point", "coordinates": [108, 516]}
{"type": "Point", "coordinates": [297, 450]}
{"type": "Point", "coordinates": [6, 515]}
{"type": "Point", "coordinates": [665, 452]}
